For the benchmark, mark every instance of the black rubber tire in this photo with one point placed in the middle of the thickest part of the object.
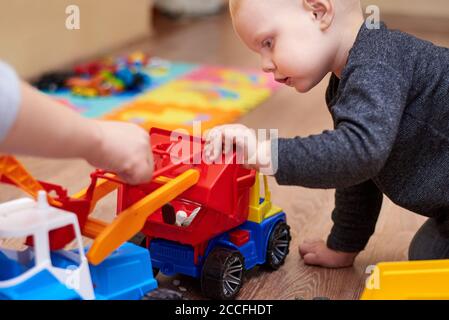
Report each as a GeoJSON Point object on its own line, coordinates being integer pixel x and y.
{"type": "Point", "coordinates": [222, 274]}
{"type": "Point", "coordinates": [278, 246]}
{"type": "Point", "coordinates": [163, 294]}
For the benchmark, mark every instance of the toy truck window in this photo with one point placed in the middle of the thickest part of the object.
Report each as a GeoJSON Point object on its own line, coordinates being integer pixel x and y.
{"type": "Point", "coordinates": [14, 261]}
{"type": "Point", "coordinates": [180, 212]}
{"type": "Point", "coordinates": [17, 257]}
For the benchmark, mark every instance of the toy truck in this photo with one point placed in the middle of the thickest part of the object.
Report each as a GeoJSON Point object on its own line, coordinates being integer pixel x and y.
{"type": "Point", "coordinates": [39, 273]}
{"type": "Point", "coordinates": [208, 221]}
{"type": "Point", "coordinates": [232, 226]}
{"type": "Point", "coordinates": [111, 268]}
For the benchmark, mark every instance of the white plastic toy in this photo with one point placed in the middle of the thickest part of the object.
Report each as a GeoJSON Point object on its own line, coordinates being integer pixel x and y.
{"type": "Point", "coordinates": [24, 218]}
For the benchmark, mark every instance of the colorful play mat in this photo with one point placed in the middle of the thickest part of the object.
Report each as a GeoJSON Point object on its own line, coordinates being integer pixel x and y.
{"type": "Point", "coordinates": [179, 94]}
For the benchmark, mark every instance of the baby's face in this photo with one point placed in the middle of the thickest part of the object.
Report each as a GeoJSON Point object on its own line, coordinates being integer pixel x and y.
{"type": "Point", "coordinates": [288, 39]}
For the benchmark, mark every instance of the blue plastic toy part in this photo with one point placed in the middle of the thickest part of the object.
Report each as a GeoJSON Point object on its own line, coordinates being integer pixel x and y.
{"type": "Point", "coordinates": [173, 258]}
{"type": "Point", "coordinates": [42, 286]}
{"type": "Point", "coordinates": [10, 269]}
{"type": "Point", "coordinates": [126, 274]}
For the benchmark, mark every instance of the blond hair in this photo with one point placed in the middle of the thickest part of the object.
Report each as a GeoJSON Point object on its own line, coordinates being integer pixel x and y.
{"type": "Point", "coordinates": [234, 5]}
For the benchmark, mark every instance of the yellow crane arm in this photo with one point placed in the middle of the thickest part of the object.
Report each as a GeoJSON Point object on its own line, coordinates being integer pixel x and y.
{"type": "Point", "coordinates": [129, 222]}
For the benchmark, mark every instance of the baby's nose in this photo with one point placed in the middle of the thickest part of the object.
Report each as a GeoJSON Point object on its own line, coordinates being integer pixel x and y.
{"type": "Point", "coordinates": [268, 65]}
{"type": "Point", "coordinates": [268, 69]}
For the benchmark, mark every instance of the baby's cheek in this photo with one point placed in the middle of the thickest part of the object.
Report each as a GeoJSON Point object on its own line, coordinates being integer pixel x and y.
{"type": "Point", "coordinates": [295, 64]}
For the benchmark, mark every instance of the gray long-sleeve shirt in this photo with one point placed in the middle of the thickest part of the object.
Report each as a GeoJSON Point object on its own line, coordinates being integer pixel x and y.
{"type": "Point", "coordinates": [390, 110]}
{"type": "Point", "coordinates": [9, 98]}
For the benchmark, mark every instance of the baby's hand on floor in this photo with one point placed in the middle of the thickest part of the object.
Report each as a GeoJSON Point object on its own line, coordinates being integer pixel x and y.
{"type": "Point", "coordinates": [316, 253]}
{"type": "Point", "coordinates": [124, 149]}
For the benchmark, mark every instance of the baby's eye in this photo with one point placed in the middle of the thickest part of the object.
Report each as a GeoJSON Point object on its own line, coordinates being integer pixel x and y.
{"type": "Point", "coordinates": [268, 43]}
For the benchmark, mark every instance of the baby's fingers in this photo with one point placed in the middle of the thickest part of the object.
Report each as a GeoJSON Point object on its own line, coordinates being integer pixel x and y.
{"type": "Point", "coordinates": [311, 246]}
{"type": "Point", "coordinates": [230, 137]}
{"type": "Point", "coordinates": [314, 259]}
{"type": "Point", "coordinates": [305, 248]}
{"type": "Point", "coordinates": [213, 147]}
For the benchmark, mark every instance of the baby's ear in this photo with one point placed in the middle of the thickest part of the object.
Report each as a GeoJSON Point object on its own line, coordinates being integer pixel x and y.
{"type": "Point", "coordinates": [322, 11]}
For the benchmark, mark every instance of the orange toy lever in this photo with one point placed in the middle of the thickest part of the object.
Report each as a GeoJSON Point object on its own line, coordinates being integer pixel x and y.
{"type": "Point", "coordinates": [129, 222]}
{"type": "Point", "coordinates": [13, 171]}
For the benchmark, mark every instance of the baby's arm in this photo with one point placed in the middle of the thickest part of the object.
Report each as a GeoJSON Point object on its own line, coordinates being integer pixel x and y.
{"type": "Point", "coordinates": [367, 118]}
{"type": "Point", "coordinates": [40, 126]}
{"type": "Point", "coordinates": [355, 215]}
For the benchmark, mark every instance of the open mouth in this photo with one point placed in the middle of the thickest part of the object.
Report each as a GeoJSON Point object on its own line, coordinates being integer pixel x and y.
{"type": "Point", "coordinates": [286, 80]}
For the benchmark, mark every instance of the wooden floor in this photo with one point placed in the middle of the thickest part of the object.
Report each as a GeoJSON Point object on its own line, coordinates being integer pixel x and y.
{"type": "Point", "coordinates": [212, 41]}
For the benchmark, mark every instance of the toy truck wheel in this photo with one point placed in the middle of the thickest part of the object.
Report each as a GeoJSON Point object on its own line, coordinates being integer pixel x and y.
{"type": "Point", "coordinates": [278, 246]}
{"type": "Point", "coordinates": [222, 274]}
{"type": "Point", "coordinates": [163, 294]}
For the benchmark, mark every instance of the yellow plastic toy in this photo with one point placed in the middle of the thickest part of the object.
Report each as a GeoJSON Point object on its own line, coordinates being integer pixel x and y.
{"type": "Point", "coordinates": [408, 280]}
